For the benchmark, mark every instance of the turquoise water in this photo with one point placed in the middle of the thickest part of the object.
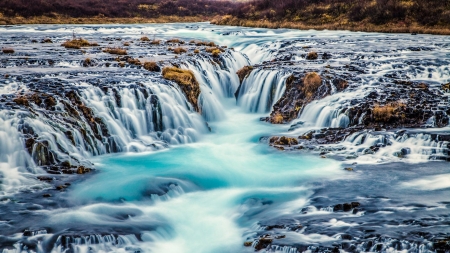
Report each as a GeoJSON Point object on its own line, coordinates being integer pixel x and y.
{"type": "Point", "coordinates": [212, 191]}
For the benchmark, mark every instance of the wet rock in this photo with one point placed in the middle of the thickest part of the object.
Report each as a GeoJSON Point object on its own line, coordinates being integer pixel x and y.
{"type": "Point", "coordinates": [263, 243]}
{"type": "Point", "coordinates": [83, 170]}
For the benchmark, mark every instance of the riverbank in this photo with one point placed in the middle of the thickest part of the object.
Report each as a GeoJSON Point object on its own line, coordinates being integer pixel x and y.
{"type": "Point", "coordinates": [57, 19]}
{"type": "Point", "coordinates": [350, 26]}
{"type": "Point", "coordinates": [233, 21]}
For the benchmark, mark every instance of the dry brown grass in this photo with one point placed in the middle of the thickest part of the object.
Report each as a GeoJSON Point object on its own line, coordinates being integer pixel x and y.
{"type": "Point", "coordinates": [214, 51]}
{"type": "Point", "coordinates": [152, 66]}
{"type": "Point", "coordinates": [115, 50]}
{"type": "Point", "coordinates": [244, 72]}
{"type": "Point", "coordinates": [134, 61]}
{"type": "Point", "coordinates": [78, 43]}
{"type": "Point", "coordinates": [8, 50]}
{"type": "Point", "coordinates": [179, 50]}
{"type": "Point", "coordinates": [200, 43]}
{"type": "Point", "coordinates": [144, 38]}
{"type": "Point", "coordinates": [336, 25]}
{"type": "Point", "coordinates": [175, 41]}
{"type": "Point", "coordinates": [312, 56]}
{"type": "Point", "coordinates": [277, 118]}
{"type": "Point", "coordinates": [446, 87]}
{"type": "Point", "coordinates": [60, 19]}
{"type": "Point", "coordinates": [187, 81]}
{"type": "Point", "coordinates": [87, 62]}
{"type": "Point", "coordinates": [126, 44]}
{"type": "Point", "coordinates": [196, 51]}
{"type": "Point", "coordinates": [383, 113]}
{"type": "Point", "coordinates": [311, 82]}
{"type": "Point", "coordinates": [155, 42]}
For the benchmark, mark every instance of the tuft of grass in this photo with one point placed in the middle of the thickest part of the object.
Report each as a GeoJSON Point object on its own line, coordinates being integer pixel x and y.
{"type": "Point", "coordinates": [312, 56]}
{"type": "Point", "coordinates": [446, 87]}
{"type": "Point", "coordinates": [87, 62]}
{"type": "Point", "coordinates": [176, 41]}
{"type": "Point", "coordinates": [187, 82]}
{"type": "Point", "coordinates": [179, 50]}
{"type": "Point", "coordinates": [196, 51]}
{"type": "Point", "coordinates": [152, 66]}
{"type": "Point", "coordinates": [134, 61]}
{"type": "Point", "coordinates": [200, 43]}
{"type": "Point", "coordinates": [216, 52]}
{"type": "Point", "coordinates": [78, 43]}
{"type": "Point", "coordinates": [8, 50]}
{"type": "Point", "coordinates": [47, 40]}
{"type": "Point", "coordinates": [244, 72]}
{"type": "Point", "coordinates": [384, 113]}
{"type": "Point", "coordinates": [155, 42]}
{"type": "Point", "coordinates": [126, 44]}
{"type": "Point", "coordinates": [115, 50]}
{"type": "Point", "coordinates": [145, 38]}
{"type": "Point", "coordinates": [277, 118]}
{"type": "Point", "coordinates": [311, 83]}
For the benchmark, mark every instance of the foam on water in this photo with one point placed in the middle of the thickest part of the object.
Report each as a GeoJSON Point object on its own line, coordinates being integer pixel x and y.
{"type": "Point", "coordinates": [210, 194]}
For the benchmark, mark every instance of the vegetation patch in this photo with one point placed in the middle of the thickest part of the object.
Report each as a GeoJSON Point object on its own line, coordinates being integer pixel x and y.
{"type": "Point", "coordinates": [152, 66]}
{"type": "Point", "coordinates": [176, 41]}
{"type": "Point", "coordinates": [384, 113]}
{"type": "Point", "coordinates": [78, 43]}
{"type": "Point", "coordinates": [155, 42]}
{"type": "Point", "coordinates": [312, 56]}
{"type": "Point", "coordinates": [8, 50]}
{"type": "Point", "coordinates": [179, 50]}
{"type": "Point", "coordinates": [115, 50]}
{"type": "Point", "coordinates": [187, 82]}
{"type": "Point", "coordinates": [244, 72]}
{"type": "Point", "coordinates": [311, 84]}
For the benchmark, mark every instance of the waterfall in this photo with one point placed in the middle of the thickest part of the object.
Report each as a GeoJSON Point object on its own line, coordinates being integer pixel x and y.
{"type": "Point", "coordinates": [126, 118]}
{"type": "Point", "coordinates": [15, 161]}
{"type": "Point", "coordinates": [330, 111]}
{"type": "Point", "coordinates": [218, 80]}
{"type": "Point", "coordinates": [412, 147]}
{"type": "Point", "coordinates": [261, 90]}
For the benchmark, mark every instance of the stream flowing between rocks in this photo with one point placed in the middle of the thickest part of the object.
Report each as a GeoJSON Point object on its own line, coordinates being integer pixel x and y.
{"type": "Point", "coordinates": [105, 156]}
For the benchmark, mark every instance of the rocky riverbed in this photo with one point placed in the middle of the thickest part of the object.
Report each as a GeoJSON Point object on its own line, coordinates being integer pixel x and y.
{"type": "Point", "coordinates": [200, 138]}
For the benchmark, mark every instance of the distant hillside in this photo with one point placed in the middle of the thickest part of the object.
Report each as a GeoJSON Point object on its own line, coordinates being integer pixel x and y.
{"type": "Point", "coordinates": [363, 15]}
{"type": "Point", "coordinates": [144, 9]}
{"type": "Point", "coordinates": [382, 15]}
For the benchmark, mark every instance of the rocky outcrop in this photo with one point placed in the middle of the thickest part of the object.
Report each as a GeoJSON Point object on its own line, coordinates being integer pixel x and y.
{"type": "Point", "coordinates": [187, 82]}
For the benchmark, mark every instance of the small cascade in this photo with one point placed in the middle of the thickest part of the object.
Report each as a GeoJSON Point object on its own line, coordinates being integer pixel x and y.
{"type": "Point", "coordinates": [15, 161]}
{"type": "Point", "coordinates": [329, 111]}
{"type": "Point", "coordinates": [218, 80]}
{"type": "Point", "coordinates": [88, 121]}
{"type": "Point", "coordinates": [261, 90]}
{"type": "Point", "coordinates": [412, 147]}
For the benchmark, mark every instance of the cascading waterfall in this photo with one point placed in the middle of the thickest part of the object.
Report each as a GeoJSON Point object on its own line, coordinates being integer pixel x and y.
{"type": "Point", "coordinates": [15, 161]}
{"type": "Point", "coordinates": [135, 119]}
{"type": "Point", "coordinates": [329, 111]}
{"type": "Point", "coordinates": [409, 146]}
{"type": "Point", "coordinates": [261, 90]}
{"type": "Point", "coordinates": [218, 80]}
{"type": "Point", "coordinates": [222, 193]}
